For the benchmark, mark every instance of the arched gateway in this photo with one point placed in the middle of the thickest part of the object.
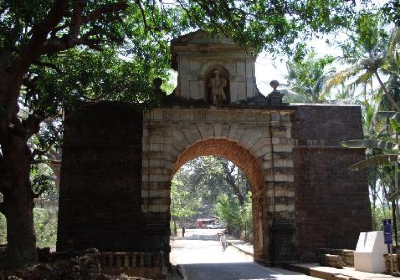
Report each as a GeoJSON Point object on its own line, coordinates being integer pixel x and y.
{"type": "Point", "coordinates": [118, 163]}
{"type": "Point", "coordinates": [260, 147]}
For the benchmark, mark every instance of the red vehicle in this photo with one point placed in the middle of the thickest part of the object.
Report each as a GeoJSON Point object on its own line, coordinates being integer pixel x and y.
{"type": "Point", "coordinates": [203, 223]}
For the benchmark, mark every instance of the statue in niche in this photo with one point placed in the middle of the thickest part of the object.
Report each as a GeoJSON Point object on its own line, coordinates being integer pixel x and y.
{"type": "Point", "coordinates": [217, 85]}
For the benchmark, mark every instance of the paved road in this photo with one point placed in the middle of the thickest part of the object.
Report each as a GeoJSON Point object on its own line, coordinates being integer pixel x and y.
{"type": "Point", "coordinates": [201, 258]}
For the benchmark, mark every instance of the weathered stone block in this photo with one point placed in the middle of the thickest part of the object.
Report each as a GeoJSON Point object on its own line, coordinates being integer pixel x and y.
{"type": "Point", "coordinates": [206, 130]}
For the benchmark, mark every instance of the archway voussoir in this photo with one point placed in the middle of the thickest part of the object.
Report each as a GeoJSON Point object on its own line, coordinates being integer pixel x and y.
{"type": "Point", "coordinates": [179, 138]}
{"type": "Point", "coordinates": [232, 131]}
{"type": "Point", "coordinates": [261, 142]}
{"type": "Point", "coordinates": [238, 134]}
{"type": "Point", "coordinates": [206, 131]}
{"type": "Point", "coordinates": [221, 131]}
{"type": "Point", "coordinates": [263, 152]}
{"type": "Point", "coordinates": [192, 135]}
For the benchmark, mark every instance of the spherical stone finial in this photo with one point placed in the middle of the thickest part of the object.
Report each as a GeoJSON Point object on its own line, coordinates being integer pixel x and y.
{"type": "Point", "coordinates": [274, 84]}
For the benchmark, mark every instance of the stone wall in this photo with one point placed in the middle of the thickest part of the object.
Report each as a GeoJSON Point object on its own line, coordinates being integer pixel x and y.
{"type": "Point", "coordinates": [332, 203]}
{"type": "Point", "coordinates": [100, 179]}
{"type": "Point", "coordinates": [326, 125]}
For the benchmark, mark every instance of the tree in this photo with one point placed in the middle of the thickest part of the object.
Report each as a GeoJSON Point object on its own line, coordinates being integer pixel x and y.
{"type": "Point", "coordinates": [199, 183]}
{"type": "Point", "coordinates": [37, 36]}
{"type": "Point", "coordinates": [213, 186]}
{"type": "Point", "coordinates": [373, 52]}
{"type": "Point", "coordinates": [237, 217]}
{"type": "Point", "coordinates": [307, 78]}
{"type": "Point", "coordinates": [388, 153]}
{"type": "Point", "coordinates": [40, 73]}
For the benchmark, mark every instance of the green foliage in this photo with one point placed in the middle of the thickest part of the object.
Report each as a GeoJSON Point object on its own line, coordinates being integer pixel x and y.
{"type": "Point", "coordinates": [3, 229]}
{"type": "Point", "coordinates": [182, 203]}
{"type": "Point", "coordinates": [45, 222]}
{"type": "Point", "coordinates": [105, 76]}
{"type": "Point", "coordinates": [307, 77]}
{"type": "Point", "coordinates": [208, 186]}
{"type": "Point", "coordinates": [372, 52]}
{"type": "Point", "coordinates": [228, 209]}
{"type": "Point", "coordinates": [43, 181]}
{"type": "Point", "coordinates": [236, 217]}
{"type": "Point", "coordinates": [390, 11]}
{"type": "Point", "coordinates": [378, 214]}
{"type": "Point", "coordinates": [198, 184]}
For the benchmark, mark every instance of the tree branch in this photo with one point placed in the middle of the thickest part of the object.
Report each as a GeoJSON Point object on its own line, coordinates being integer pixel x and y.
{"type": "Point", "coordinates": [32, 124]}
{"type": "Point", "coordinates": [49, 65]}
{"type": "Point", "coordinates": [47, 161]}
{"type": "Point", "coordinates": [387, 94]}
{"type": "Point", "coordinates": [36, 195]}
{"type": "Point", "coordinates": [32, 51]}
{"type": "Point", "coordinates": [146, 27]}
{"type": "Point", "coordinates": [106, 9]}
{"type": "Point", "coordinates": [231, 181]}
{"type": "Point", "coordinates": [76, 18]}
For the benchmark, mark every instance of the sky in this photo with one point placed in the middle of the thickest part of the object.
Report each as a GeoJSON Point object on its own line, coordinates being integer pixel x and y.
{"type": "Point", "coordinates": [267, 68]}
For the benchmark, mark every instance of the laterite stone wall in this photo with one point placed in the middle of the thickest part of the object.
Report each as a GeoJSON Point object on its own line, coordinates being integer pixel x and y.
{"type": "Point", "coordinates": [100, 179]}
{"type": "Point", "coordinates": [331, 202]}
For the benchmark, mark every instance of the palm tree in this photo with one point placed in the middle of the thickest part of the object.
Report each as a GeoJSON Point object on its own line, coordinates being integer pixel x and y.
{"type": "Point", "coordinates": [377, 55]}
{"type": "Point", "coordinates": [307, 78]}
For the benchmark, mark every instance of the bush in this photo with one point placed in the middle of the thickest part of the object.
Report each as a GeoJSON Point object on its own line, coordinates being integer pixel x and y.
{"type": "Point", "coordinates": [238, 218]}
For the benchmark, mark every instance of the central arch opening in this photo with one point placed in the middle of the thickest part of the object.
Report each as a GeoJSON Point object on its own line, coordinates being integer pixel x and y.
{"type": "Point", "coordinates": [224, 154]}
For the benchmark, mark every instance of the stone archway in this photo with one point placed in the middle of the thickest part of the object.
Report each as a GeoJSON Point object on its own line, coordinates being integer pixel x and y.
{"type": "Point", "coordinates": [258, 141]}
{"type": "Point", "coordinates": [242, 158]}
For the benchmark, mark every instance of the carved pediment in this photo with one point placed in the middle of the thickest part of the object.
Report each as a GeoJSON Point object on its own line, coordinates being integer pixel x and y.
{"type": "Point", "coordinates": [202, 37]}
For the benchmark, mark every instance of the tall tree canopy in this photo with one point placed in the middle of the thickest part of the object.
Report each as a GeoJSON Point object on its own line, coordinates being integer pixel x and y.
{"type": "Point", "coordinates": [211, 186]}
{"type": "Point", "coordinates": [48, 60]}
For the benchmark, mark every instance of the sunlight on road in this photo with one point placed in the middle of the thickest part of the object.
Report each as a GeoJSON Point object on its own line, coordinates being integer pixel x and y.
{"type": "Point", "coordinates": [202, 246]}
{"type": "Point", "coordinates": [200, 257]}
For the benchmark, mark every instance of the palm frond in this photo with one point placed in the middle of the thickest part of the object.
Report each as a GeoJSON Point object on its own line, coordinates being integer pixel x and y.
{"type": "Point", "coordinates": [394, 196]}
{"type": "Point", "coordinates": [393, 45]}
{"type": "Point", "coordinates": [373, 162]}
{"type": "Point", "coordinates": [293, 97]}
{"type": "Point", "coordinates": [370, 144]}
{"type": "Point", "coordinates": [341, 77]}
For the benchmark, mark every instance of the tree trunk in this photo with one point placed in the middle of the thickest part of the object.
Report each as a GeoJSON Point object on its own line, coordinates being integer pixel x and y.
{"type": "Point", "coordinates": [387, 94]}
{"type": "Point", "coordinates": [18, 209]}
{"type": "Point", "coordinates": [18, 202]}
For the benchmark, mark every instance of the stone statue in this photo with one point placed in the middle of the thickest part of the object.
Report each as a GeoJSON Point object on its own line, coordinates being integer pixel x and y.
{"type": "Point", "coordinates": [217, 85]}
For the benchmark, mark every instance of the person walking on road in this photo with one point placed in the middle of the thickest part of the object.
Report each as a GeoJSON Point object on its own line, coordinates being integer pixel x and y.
{"type": "Point", "coordinates": [223, 242]}
{"type": "Point", "coordinates": [183, 231]}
